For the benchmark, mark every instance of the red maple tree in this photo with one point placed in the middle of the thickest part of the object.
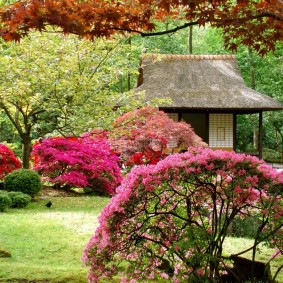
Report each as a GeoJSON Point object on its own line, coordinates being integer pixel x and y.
{"type": "Point", "coordinates": [8, 161]}
{"type": "Point", "coordinates": [147, 135]}
{"type": "Point", "coordinates": [257, 23]}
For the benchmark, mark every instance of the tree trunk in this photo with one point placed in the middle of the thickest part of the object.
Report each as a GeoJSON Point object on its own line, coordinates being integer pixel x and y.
{"type": "Point", "coordinates": [252, 68]}
{"type": "Point", "coordinates": [26, 149]}
{"type": "Point", "coordinates": [190, 40]}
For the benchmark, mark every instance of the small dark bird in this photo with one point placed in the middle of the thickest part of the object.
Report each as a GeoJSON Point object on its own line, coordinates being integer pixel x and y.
{"type": "Point", "coordinates": [48, 204]}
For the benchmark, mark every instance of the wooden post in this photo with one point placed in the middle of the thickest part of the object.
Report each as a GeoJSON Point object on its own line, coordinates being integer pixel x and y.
{"type": "Point", "coordinates": [260, 135]}
{"type": "Point", "coordinates": [234, 131]}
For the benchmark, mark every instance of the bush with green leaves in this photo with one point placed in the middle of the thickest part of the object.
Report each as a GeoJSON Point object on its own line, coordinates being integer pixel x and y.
{"type": "Point", "coordinates": [23, 180]}
{"type": "Point", "coordinates": [5, 201]}
{"type": "Point", "coordinates": [19, 199]}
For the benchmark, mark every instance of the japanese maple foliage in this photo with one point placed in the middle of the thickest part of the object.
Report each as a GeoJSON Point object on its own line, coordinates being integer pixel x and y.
{"type": "Point", "coordinates": [81, 162]}
{"type": "Point", "coordinates": [170, 220]}
{"type": "Point", "coordinates": [257, 23]}
{"type": "Point", "coordinates": [143, 135]}
{"type": "Point", "coordinates": [8, 161]}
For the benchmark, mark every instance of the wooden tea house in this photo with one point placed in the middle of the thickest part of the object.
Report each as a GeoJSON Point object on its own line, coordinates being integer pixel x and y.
{"type": "Point", "coordinates": [207, 91]}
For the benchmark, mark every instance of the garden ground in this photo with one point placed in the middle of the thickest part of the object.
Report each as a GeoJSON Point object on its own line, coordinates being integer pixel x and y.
{"type": "Point", "coordinates": [46, 244]}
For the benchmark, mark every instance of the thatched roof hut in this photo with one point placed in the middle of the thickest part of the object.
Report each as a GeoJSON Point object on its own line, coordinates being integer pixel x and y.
{"type": "Point", "coordinates": [200, 82]}
{"type": "Point", "coordinates": [206, 91]}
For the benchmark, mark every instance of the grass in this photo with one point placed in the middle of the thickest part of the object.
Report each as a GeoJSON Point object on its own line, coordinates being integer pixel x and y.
{"type": "Point", "coordinates": [264, 254]}
{"type": "Point", "coordinates": [46, 244]}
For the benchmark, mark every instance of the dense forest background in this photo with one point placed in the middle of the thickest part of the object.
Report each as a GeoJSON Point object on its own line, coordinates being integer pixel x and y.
{"type": "Point", "coordinates": [115, 63]}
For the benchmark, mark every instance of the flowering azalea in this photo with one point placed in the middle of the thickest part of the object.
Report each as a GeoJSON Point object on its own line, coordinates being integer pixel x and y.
{"type": "Point", "coordinates": [170, 220]}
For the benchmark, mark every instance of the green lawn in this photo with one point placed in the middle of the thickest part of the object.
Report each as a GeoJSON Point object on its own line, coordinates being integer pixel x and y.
{"type": "Point", "coordinates": [47, 244]}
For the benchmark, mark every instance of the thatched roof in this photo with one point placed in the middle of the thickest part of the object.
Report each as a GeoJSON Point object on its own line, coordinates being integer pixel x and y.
{"type": "Point", "coordinates": [211, 82]}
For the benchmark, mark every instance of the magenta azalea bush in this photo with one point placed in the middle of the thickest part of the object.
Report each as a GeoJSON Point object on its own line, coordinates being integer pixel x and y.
{"type": "Point", "coordinates": [170, 220]}
{"type": "Point", "coordinates": [81, 162]}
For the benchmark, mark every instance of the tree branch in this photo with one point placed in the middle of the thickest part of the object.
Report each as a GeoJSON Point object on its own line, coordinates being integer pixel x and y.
{"type": "Point", "coordinates": [147, 34]}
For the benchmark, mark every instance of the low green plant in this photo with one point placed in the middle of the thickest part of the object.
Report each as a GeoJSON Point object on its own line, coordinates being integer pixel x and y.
{"type": "Point", "coordinates": [4, 253]}
{"type": "Point", "coordinates": [5, 201]}
{"type": "Point", "coordinates": [23, 180]}
{"type": "Point", "coordinates": [272, 156]}
{"type": "Point", "coordinates": [19, 199]}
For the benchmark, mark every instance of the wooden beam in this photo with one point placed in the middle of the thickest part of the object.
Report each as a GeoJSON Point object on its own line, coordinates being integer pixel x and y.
{"type": "Point", "coordinates": [234, 131]}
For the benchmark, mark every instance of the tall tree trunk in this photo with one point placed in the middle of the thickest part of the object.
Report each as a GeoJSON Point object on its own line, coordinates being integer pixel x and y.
{"type": "Point", "coordinates": [120, 84]}
{"type": "Point", "coordinates": [252, 82]}
{"type": "Point", "coordinates": [26, 149]}
{"type": "Point", "coordinates": [252, 68]}
{"type": "Point", "coordinates": [129, 75]}
{"type": "Point", "coordinates": [190, 39]}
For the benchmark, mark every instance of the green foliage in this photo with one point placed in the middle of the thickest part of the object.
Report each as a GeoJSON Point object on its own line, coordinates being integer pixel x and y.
{"type": "Point", "coordinates": [23, 180]}
{"type": "Point", "coordinates": [60, 80]}
{"type": "Point", "coordinates": [19, 199]}
{"type": "Point", "coordinates": [5, 201]}
{"type": "Point", "coordinates": [272, 156]}
{"type": "Point", "coordinates": [244, 227]}
{"type": "Point", "coordinates": [204, 41]}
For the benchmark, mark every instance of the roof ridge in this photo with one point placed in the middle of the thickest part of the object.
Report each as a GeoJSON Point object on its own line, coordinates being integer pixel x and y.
{"type": "Point", "coordinates": [173, 57]}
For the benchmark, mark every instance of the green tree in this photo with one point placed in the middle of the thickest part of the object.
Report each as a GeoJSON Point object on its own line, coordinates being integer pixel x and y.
{"type": "Point", "coordinates": [56, 84]}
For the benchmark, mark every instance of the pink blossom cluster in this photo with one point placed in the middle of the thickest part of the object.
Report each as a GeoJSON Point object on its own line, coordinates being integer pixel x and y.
{"type": "Point", "coordinates": [81, 162]}
{"type": "Point", "coordinates": [170, 220]}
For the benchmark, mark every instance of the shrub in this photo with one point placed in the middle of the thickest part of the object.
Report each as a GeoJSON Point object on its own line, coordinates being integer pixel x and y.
{"type": "Point", "coordinates": [23, 180]}
{"type": "Point", "coordinates": [170, 220]}
{"type": "Point", "coordinates": [83, 162]}
{"type": "Point", "coordinates": [147, 135]}
{"type": "Point", "coordinates": [8, 161]}
{"type": "Point", "coordinates": [5, 201]}
{"type": "Point", "coordinates": [19, 199]}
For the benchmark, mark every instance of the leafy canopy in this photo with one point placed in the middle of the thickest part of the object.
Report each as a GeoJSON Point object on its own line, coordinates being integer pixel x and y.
{"type": "Point", "coordinates": [250, 22]}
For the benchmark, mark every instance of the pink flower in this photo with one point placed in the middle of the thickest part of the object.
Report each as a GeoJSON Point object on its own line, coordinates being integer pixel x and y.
{"type": "Point", "coordinates": [238, 189]}
{"type": "Point", "coordinates": [200, 272]}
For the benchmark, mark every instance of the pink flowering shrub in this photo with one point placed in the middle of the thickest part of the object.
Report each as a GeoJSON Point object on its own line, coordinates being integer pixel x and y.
{"type": "Point", "coordinates": [81, 162]}
{"type": "Point", "coordinates": [146, 135]}
{"type": "Point", "coordinates": [170, 220]}
{"type": "Point", "coordinates": [8, 161]}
